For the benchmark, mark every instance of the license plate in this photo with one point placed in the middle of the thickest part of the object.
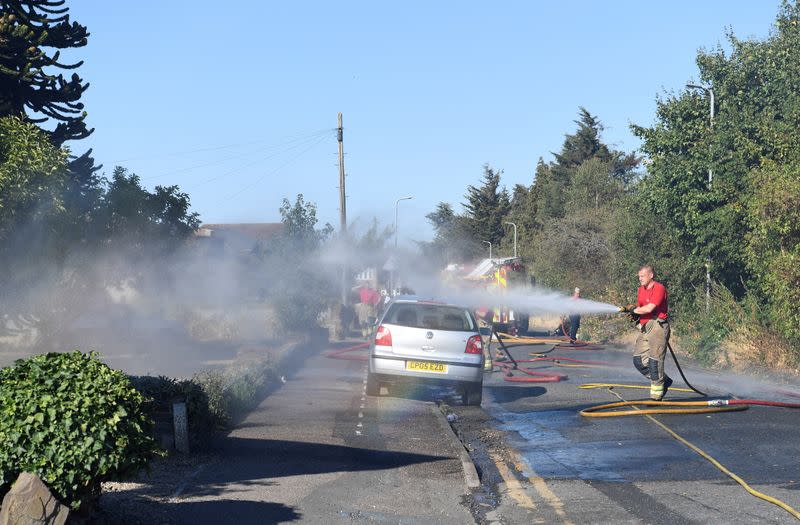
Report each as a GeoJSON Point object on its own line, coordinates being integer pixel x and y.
{"type": "Point", "coordinates": [425, 366]}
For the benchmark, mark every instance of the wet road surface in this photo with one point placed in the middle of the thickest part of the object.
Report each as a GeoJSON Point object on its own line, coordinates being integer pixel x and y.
{"type": "Point", "coordinates": [541, 462]}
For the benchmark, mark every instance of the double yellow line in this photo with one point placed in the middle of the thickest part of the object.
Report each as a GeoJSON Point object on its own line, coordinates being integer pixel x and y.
{"type": "Point", "coordinates": [517, 491]}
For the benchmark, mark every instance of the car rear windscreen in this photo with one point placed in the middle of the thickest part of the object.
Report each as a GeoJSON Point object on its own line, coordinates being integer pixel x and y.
{"type": "Point", "coordinates": [430, 317]}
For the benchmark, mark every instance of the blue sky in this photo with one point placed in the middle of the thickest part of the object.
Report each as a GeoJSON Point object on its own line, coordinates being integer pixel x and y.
{"type": "Point", "coordinates": [236, 103]}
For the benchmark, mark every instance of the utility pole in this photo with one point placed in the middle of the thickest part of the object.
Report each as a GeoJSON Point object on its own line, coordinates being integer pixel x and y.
{"type": "Point", "coordinates": [342, 207]}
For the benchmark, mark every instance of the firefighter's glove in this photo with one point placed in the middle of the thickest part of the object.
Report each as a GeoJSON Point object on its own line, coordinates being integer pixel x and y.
{"type": "Point", "coordinates": [628, 311]}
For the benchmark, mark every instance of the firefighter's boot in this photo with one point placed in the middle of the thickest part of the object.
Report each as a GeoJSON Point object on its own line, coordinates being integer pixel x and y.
{"type": "Point", "coordinates": [657, 392]}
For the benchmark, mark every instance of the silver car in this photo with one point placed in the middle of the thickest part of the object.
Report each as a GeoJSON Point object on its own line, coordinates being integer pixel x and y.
{"type": "Point", "coordinates": [428, 341]}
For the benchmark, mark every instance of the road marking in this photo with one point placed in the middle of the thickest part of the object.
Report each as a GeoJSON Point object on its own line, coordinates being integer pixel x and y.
{"type": "Point", "coordinates": [360, 414]}
{"type": "Point", "coordinates": [541, 487]}
{"type": "Point", "coordinates": [359, 425]}
{"type": "Point", "coordinates": [513, 486]}
{"type": "Point", "coordinates": [358, 432]}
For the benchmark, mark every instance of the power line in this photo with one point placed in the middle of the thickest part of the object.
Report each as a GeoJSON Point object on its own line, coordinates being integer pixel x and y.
{"type": "Point", "coordinates": [257, 181]}
{"type": "Point", "coordinates": [215, 148]}
{"type": "Point", "coordinates": [232, 157]}
{"type": "Point", "coordinates": [247, 165]}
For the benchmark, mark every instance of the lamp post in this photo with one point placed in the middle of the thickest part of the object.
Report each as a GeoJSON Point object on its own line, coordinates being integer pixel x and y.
{"type": "Point", "coordinates": [394, 256]}
{"type": "Point", "coordinates": [710, 93]}
{"type": "Point", "coordinates": [515, 236]}
{"type": "Point", "coordinates": [490, 247]}
{"type": "Point", "coordinates": [396, 211]}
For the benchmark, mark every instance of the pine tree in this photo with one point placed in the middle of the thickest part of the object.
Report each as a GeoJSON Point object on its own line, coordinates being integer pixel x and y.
{"type": "Point", "coordinates": [486, 207]}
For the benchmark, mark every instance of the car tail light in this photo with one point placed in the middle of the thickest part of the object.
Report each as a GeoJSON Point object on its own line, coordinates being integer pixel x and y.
{"type": "Point", "coordinates": [474, 345]}
{"type": "Point", "coordinates": [383, 337]}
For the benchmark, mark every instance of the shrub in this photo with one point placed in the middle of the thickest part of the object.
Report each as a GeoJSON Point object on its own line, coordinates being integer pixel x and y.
{"type": "Point", "coordinates": [213, 383]}
{"type": "Point", "coordinates": [237, 389]}
{"type": "Point", "coordinates": [162, 391]}
{"type": "Point", "coordinates": [73, 421]}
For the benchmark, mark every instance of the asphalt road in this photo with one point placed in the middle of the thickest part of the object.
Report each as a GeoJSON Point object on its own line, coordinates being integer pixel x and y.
{"type": "Point", "coordinates": [541, 462]}
{"type": "Point", "coordinates": [319, 451]}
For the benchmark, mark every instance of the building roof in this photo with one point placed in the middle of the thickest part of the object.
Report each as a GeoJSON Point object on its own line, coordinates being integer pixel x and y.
{"type": "Point", "coordinates": [255, 231]}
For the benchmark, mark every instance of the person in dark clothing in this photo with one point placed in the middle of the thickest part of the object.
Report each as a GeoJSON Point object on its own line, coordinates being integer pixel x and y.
{"type": "Point", "coordinates": [574, 319]}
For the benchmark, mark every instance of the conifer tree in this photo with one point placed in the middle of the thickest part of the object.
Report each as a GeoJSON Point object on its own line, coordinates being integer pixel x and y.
{"type": "Point", "coordinates": [32, 35]}
{"type": "Point", "coordinates": [33, 85]}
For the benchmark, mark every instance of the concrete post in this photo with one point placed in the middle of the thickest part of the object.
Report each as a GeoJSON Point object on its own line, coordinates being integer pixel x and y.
{"type": "Point", "coordinates": [181, 425]}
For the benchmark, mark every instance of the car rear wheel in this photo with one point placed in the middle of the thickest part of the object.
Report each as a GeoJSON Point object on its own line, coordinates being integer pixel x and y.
{"type": "Point", "coordinates": [473, 395]}
{"type": "Point", "coordinates": [373, 387]}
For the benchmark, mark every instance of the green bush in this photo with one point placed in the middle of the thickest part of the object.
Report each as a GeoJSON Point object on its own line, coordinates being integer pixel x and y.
{"type": "Point", "coordinates": [162, 391]}
{"type": "Point", "coordinates": [709, 329]}
{"type": "Point", "coordinates": [73, 421]}
{"type": "Point", "coordinates": [237, 389]}
{"type": "Point", "coordinates": [213, 384]}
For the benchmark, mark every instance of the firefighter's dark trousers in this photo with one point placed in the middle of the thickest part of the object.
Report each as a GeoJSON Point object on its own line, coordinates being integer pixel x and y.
{"type": "Point", "coordinates": [649, 353]}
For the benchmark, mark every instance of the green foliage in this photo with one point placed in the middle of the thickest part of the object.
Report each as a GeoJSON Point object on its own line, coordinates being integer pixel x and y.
{"type": "Point", "coordinates": [746, 222]}
{"type": "Point", "coordinates": [160, 392]}
{"type": "Point", "coordinates": [300, 234]}
{"type": "Point", "coordinates": [708, 331]}
{"type": "Point", "coordinates": [452, 240]}
{"type": "Point", "coordinates": [235, 390]}
{"type": "Point", "coordinates": [299, 292]}
{"type": "Point", "coordinates": [73, 421]}
{"type": "Point", "coordinates": [485, 210]}
{"type": "Point", "coordinates": [300, 295]}
{"type": "Point", "coordinates": [573, 251]}
{"type": "Point", "coordinates": [32, 174]}
{"type": "Point", "coordinates": [130, 214]}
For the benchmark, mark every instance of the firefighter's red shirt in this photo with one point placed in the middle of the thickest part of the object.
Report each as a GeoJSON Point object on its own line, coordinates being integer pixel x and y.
{"type": "Point", "coordinates": [656, 295]}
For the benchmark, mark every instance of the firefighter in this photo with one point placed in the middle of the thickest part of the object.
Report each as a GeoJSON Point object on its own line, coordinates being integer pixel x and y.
{"type": "Point", "coordinates": [653, 324]}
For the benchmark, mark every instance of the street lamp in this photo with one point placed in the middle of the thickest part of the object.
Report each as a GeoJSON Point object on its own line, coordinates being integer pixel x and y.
{"type": "Point", "coordinates": [394, 257]}
{"type": "Point", "coordinates": [515, 236]}
{"type": "Point", "coordinates": [490, 247]}
{"type": "Point", "coordinates": [396, 208]}
{"type": "Point", "coordinates": [710, 93]}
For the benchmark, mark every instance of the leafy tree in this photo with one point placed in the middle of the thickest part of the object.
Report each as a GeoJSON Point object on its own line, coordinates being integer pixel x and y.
{"type": "Point", "coordinates": [757, 94]}
{"type": "Point", "coordinates": [593, 186]}
{"type": "Point", "coordinates": [32, 173]}
{"type": "Point", "coordinates": [773, 243]}
{"type": "Point", "coordinates": [574, 251]}
{"type": "Point", "coordinates": [131, 214]}
{"type": "Point", "coordinates": [301, 292]}
{"type": "Point", "coordinates": [299, 226]}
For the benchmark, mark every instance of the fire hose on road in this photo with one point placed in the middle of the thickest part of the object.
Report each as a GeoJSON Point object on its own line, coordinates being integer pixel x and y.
{"type": "Point", "coordinates": [344, 353]}
{"type": "Point", "coordinates": [695, 407]}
